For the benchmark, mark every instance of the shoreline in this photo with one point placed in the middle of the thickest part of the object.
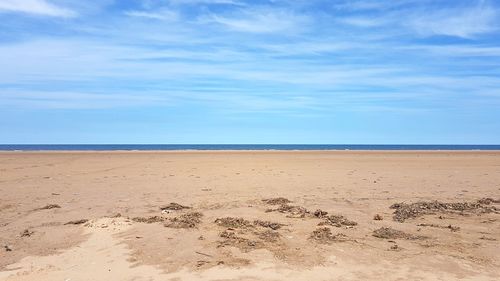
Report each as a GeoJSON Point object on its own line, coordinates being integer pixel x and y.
{"type": "Point", "coordinates": [262, 150]}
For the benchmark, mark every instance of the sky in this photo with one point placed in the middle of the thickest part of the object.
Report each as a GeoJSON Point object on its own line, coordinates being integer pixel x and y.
{"type": "Point", "coordinates": [250, 72]}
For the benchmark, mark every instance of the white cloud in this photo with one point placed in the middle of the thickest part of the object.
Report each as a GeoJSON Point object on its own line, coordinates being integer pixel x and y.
{"type": "Point", "coordinates": [212, 2]}
{"type": "Point", "coordinates": [457, 50]}
{"type": "Point", "coordinates": [465, 22]}
{"type": "Point", "coordinates": [365, 5]}
{"type": "Point", "coordinates": [262, 20]}
{"type": "Point", "coordinates": [207, 2]}
{"type": "Point", "coordinates": [363, 21]}
{"type": "Point", "coordinates": [166, 15]}
{"type": "Point", "coordinates": [36, 7]}
{"type": "Point", "coordinates": [78, 100]}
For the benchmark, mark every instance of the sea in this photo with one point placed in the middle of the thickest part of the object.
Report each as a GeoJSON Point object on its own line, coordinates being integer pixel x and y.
{"type": "Point", "coordinates": [167, 147]}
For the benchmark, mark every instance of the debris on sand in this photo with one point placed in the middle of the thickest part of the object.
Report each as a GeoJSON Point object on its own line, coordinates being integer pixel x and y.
{"type": "Point", "coordinates": [378, 217]}
{"type": "Point", "coordinates": [395, 247]}
{"type": "Point", "coordinates": [201, 263]}
{"type": "Point", "coordinates": [450, 227]}
{"type": "Point", "coordinates": [487, 201]}
{"type": "Point", "coordinates": [189, 220]}
{"type": "Point", "coordinates": [276, 201]}
{"type": "Point", "coordinates": [268, 224]}
{"type": "Point", "coordinates": [27, 233]}
{"type": "Point", "coordinates": [487, 238]}
{"type": "Point", "coordinates": [76, 222]}
{"type": "Point", "coordinates": [231, 222]}
{"type": "Point", "coordinates": [244, 244]}
{"type": "Point", "coordinates": [389, 233]}
{"type": "Point", "coordinates": [405, 211]}
{"type": "Point", "coordinates": [248, 236]}
{"type": "Point", "coordinates": [338, 221]}
{"type": "Point", "coordinates": [324, 235]}
{"type": "Point", "coordinates": [49, 206]}
{"type": "Point", "coordinates": [7, 248]}
{"type": "Point", "coordinates": [291, 211]}
{"type": "Point", "coordinates": [174, 207]}
{"type": "Point", "coordinates": [152, 219]}
{"type": "Point", "coordinates": [268, 236]}
{"type": "Point", "coordinates": [203, 254]}
{"type": "Point", "coordinates": [235, 223]}
{"type": "Point", "coordinates": [320, 213]}
{"type": "Point", "coordinates": [489, 221]}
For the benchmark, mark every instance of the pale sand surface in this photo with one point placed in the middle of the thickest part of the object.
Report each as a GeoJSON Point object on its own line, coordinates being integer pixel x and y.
{"type": "Point", "coordinates": [356, 184]}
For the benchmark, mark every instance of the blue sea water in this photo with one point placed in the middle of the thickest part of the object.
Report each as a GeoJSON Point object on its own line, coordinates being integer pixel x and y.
{"type": "Point", "coordinates": [104, 147]}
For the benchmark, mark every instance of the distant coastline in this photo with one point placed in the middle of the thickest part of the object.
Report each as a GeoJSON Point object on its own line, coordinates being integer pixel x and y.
{"type": "Point", "coordinates": [287, 147]}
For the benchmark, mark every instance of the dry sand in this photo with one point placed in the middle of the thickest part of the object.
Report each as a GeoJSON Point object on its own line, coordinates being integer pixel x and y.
{"type": "Point", "coordinates": [118, 231]}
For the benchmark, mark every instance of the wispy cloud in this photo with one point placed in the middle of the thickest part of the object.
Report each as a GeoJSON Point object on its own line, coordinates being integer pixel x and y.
{"type": "Point", "coordinates": [212, 2]}
{"type": "Point", "coordinates": [78, 100]}
{"type": "Point", "coordinates": [424, 18]}
{"type": "Point", "coordinates": [363, 21]}
{"type": "Point", "coordinates": [465, 22]}
{"type": "Point", "coordinates": [367, 5]}
{"type": "Point", "coordinates": [36, 7]}
{"type": "Point", "coordinates": [469, 51]}
{"type": "Point", "coordinates": [163, 14]}
{"type": "Point", "coordinates": [260, 20]}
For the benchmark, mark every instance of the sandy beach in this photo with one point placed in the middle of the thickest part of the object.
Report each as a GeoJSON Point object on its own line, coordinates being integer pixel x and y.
{"type": "Point", "coordinates": [250, 215]}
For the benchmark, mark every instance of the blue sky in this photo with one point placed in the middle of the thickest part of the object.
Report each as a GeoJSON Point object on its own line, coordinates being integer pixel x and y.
{"type": "Point", "coordinates": [235, 71]}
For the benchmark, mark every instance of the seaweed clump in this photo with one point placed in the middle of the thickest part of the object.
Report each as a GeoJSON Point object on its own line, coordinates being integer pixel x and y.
{"type": "Point", "coordinates": [404, 211]}
{"type": "Point", "coordinates": [48, 207]}
{"type": "Point", "coordinates": [174, 207]}
{"type": "Point", "coordinates": [244, 244]}
{"type": "Point", "coordinates": [338, 221]}
{"type": "Point", "coordinates": [152, 219]}
{"type": "Point", "coordinates": [390, 233]}
{"type": "Point", "coordinates": [189, 220]}
{"type": "Point", "coordinates": [276, 201]}
{"type": "Point", "coordinates": [291, 211]}
{"type": "Point", "coordinates": [232, 222]}
{"type": "Point", "coordinates": [77, 222]}
{"type": "Point", "coordinates": [324, 235]}
{"type": "Point", "coordinates": [268, 224]}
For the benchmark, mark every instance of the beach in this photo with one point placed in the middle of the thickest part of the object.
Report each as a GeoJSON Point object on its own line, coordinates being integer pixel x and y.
{"type": "Point", "coordinates": [250, 215]}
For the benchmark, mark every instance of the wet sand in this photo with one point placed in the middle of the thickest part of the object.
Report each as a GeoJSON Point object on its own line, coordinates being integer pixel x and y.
{"type": "Point", "coordinates": [98, 215]}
